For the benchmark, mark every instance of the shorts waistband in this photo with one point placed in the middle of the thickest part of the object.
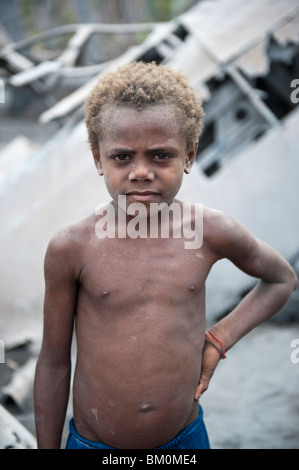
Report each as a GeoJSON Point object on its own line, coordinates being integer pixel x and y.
{"type": "Point", "coordinates": [86, 442]}
{"type": "Point", "coordinates": [194, 425]}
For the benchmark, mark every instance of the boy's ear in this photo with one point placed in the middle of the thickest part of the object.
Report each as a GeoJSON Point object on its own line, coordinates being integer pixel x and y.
{"type": "Point", "coordinates": [190, 158]}
{"type": "Point", "coordinates": [97, 161]}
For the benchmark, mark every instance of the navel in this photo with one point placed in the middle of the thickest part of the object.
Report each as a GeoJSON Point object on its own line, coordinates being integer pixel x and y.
{"type": "Point", "coordinates": [146, 407]}
{"type": "Point", "coordinates": [105, 292]}
{"type": "Point", "coordinates": [191, 288]}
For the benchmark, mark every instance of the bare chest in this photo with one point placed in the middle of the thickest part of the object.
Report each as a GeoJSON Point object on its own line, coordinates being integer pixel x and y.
{"type": "Point", "coordinates": [142, 269]}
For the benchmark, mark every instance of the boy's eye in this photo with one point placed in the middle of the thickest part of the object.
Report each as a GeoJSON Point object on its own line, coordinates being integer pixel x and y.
{"type": "Point", "coordinates": [161, 156]}
{"type": "Point", "coordinates": [121, 157]}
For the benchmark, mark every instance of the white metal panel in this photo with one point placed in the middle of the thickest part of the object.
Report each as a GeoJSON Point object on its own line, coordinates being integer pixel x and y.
{"type": "Point", "coordinates": [227, 28]}
{"type": "Point", "coordinates": [13, 435]}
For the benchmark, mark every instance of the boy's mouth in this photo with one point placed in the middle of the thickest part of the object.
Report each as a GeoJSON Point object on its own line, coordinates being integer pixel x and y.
{"type": "Point", "coordinates": [142, 196]}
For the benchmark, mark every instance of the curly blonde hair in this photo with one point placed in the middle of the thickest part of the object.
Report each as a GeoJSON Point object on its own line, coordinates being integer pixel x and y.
{"type": "Point", "coordinates": [140, 85]}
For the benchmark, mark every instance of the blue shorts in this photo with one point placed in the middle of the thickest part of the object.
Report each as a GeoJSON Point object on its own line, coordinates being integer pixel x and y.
{"type": "Point", "coordinates": [194, 436]}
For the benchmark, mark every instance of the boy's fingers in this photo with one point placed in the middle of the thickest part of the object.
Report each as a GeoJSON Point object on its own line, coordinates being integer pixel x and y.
{"type": "Point", "coordinates": [198, 392]}
{"type": "Point", "coordinates": [201, 388]}
{"type": "Point", "coordinates": [211, 359]}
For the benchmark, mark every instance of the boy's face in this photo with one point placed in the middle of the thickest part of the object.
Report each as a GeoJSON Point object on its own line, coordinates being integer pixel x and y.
{"type": "Point", "coordinates": [143, 155]}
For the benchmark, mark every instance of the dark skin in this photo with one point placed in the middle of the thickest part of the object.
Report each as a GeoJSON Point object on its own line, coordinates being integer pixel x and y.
{"type": "Point", "coordinates": [139, 304]}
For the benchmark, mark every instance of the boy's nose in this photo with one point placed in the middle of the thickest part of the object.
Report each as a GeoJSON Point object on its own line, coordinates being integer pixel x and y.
{"type": "Point", "coordinates": [141, 172]}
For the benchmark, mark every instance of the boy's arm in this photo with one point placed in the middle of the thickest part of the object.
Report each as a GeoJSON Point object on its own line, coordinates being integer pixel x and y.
{"type": "Point", "coordinates": [277, 280]}
{"type": "Point", "coordinates": [53, 370]}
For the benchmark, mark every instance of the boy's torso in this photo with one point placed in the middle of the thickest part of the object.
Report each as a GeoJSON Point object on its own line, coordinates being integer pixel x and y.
{"type": "Point", "coordinates": [140, 324]}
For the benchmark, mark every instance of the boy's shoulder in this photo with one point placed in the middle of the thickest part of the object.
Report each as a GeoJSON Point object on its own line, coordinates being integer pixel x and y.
{"type": "Point", "coordinates": [216, 220]}
{"type": "Point", "coordinates": [65, 252]}
{"type": "Point", "coordinates": [73, 236]}
{"type": "Point", "coordinates": [219, 227]}
{"type": "Point", "coordinates": [225, 235]}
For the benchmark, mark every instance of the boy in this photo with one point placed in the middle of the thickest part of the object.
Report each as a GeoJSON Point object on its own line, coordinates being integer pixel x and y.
{"type": "Point", "coordinates": [138, 304]}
